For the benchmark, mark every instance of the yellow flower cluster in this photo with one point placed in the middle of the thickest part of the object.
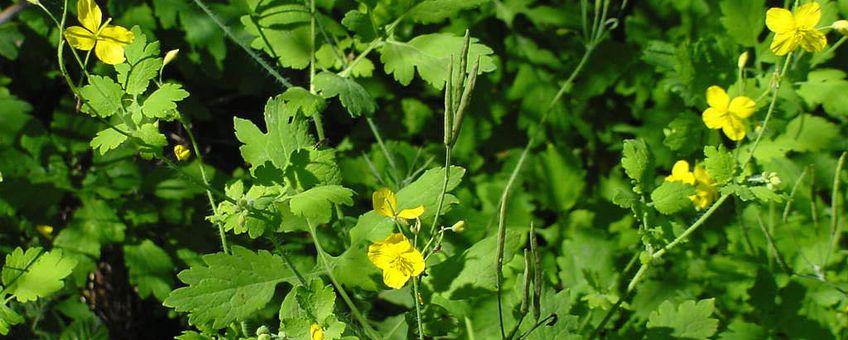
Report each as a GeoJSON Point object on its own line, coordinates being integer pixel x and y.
{"type": "Point", "coordinates": [395, 256]}
{"type": "Point", "coordinates": [107, 41]}
{"type": "Point", "coordinates": [705, 191]}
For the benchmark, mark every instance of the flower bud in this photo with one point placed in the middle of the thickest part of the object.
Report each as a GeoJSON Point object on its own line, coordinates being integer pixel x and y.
{"type": "Point", "coordinates": [263, 330]}
{"type": "Point", "coordinates": [45, 230]}
{"type": "Point", "coordinates": [169, 57]}
{"type": "Point", "coordinates": [181, 152]}
{"type": "Point", "coordinates": [458, 227]}
{"type": "Point", "coordinates": [742, 61]}
{"type": "Point", "coordinates": [840, 26]}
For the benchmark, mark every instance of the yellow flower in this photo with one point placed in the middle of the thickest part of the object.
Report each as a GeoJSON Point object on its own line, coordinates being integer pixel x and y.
{"type": "Point", "coordinates": [181, 152]}
{"type": "Point", "coordinates": [108, 41]}
{"type": "Point", "coordinates": [796, 29]}
{"type": "Point", "coordinates": [705, 191]}
{"type": "Point", "coordinates": [397, 258]}
{"type": "Point", "coordinates": [45, 230]}
{"type": "Point", "coordinates": [315, 332]}
{"type": "Point", "coordinates": [385, 203]}
{"type": "Point", "coordinates": [727, 114]}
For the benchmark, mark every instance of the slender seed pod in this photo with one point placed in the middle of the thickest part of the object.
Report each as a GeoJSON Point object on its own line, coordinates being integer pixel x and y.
{"type": "Point", "coordinates": [463, 103]}
{"type": "Point", "coordinates": [537, 273]}
{"type": "Point", "coordinates": [525, 296]}
{"type": "Point", "coordinates": [449, 105]}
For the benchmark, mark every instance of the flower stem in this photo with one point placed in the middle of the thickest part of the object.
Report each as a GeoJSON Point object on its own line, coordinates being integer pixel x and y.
{"type": "Point", "coordinates": [775, 89]}
{"type": "Point", "coordinates": [417, 308]}
{"type": "Point", "coordinates": [326, 264]}
{"type": "Point", "coordinates": [207, 186]}
{"type": "Point", "coordinates": [319, 125]}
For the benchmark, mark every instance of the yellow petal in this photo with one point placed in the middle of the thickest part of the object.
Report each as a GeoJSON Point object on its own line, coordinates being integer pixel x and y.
{"type": "Point", "coordinates": [411, 213]}
{"type": "Point", "coordinates": [315, 332]}
{"type": "Point", "coordinates": [783, 43]}
{"type": "Point", "coordinates": [117, 35]}
{"type": "Point", "coordinates": [734, 128]}
{"type": "Point", "coordinates": [384, 202]}
{"type": "Point", "coordinates": [807, 15]}
{"type": "Point", "coordinates": [717, 98]}
{"type": "Point", "coordinates": [109, 52]}
{"type": "Point", "coordinates": [394, 278]}
{"type": "Point", "coordinates": [89, 15]}
{"type": "Point", "coordinates": [812, 40]}
{"type": "Point", "coordinates": [702, 177]}
{"type": "Point", "coordinates": [680, 172]}
{"type": "Point", "coordinates": [742, 107]}
{"type": "Point", "coordinates": [780, 20]}
{"type": "Point", "coordinates": [79, 38]}
{"type": "Point", "coordinates": [713, 118]}
{"type": "Point", "coordinates": [379, 255]}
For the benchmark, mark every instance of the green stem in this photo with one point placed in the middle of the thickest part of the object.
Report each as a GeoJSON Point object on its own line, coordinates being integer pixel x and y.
{"type": "Point", "coordinates": [319, 125]}
{"type": "Point", "coordinates": [382, 145]}
{"type": "Point", "coordinates": [775, 90]}
{"type": "Point", "coordinates": [326, 264]}
{"type": "Point", "coordinates": [279, 77]}
{"type": "Point", "coordinates": [566, 86]}
{"type": "Point", "coordinates": [417, 308]}
{"type": "Point", "coordinates": [631, 286]}
{"type": "Point", "coordinates": [441, 201]}
{"type": "Point", "coordinates": [206, 184]}
{"type": "Point", "coordinates": [835, 233]}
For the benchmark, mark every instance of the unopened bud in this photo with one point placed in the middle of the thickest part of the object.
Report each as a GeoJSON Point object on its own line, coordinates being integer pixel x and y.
{"type": "Point", "coordinates": [263, 330]}
{"type": "Point", "coordinates": [44, 230]}
{"type": "Point", "coordinates": [170, 56]}
{"type": "Point", "coordinates": [742, 61]}
{"type": "Point", "coordinates": [840, 26]}
{"type": "Point", "coordinates": [182, 152]}
{"type": "Point", "coordinates": [458, 227]}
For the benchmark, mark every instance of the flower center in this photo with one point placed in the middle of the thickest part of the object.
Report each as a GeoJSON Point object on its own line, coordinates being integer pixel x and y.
{"type": "Point", "coordinates": [402, 265]}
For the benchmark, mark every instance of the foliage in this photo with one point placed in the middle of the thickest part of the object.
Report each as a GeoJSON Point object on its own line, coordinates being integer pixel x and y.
{"type": "Point", "coordinates": [561, 170]}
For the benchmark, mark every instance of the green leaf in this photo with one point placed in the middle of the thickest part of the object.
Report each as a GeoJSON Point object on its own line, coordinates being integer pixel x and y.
{"type": "Point", "coordinates": [637, 161]}
{"type": "Point", "coordinates": [151, 269]}
{"type": "Point", "coordinates": [317, 203]}
{"type": "Point", "coordinates": [228, 288]}
{"type": "Point", "coordinates": [162, 102]}
{"type": "Point", "coordinates": [102, 96]}
{"type": "Point", "coordinates": [765, 194]}
{"type": "Point", "coordinates": [8, 318]}
{"type": "Point", "coordinates": [150, 135]}
{"type": "Point", "coordinates": [719, 164]}
{"type": "Point", "coordinates": [301, 100]}
{"type": "Point", "coordinates": [826, 87]}
{"type": "Point", "coordinates": [743, 20]}
{"type": "Point", "coordinates": [430, 55]}
{"type": "Point", "coordinates": [142, 65]}
{"type": "Point", "coordinates": [360, 24]}
{"type": "Point", "coordinates": [689, 319]}
{"type": "Point", "coordinates": [287, 132]}
{"type": "Point", "coordinates": [10, 38]}
{"type": "Point", "coordinates": [433, 11]}
{"type": "Point", "coordinates": [472, 273]}
{"type": "Point", "coordinates": [36, 273]}
{"type": "Point", "coordinates": [353, 96]}
{"type": "Point", "coordinates": [671, 197]}
{"type": "Point", "coordinates": [808, 133]}
{"type": "Point", "coordinates": [108, 139]}
{"type": "Point", "coordinates": [281, 30]}
{"type": "Point", "coordinates": [307, 305]}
